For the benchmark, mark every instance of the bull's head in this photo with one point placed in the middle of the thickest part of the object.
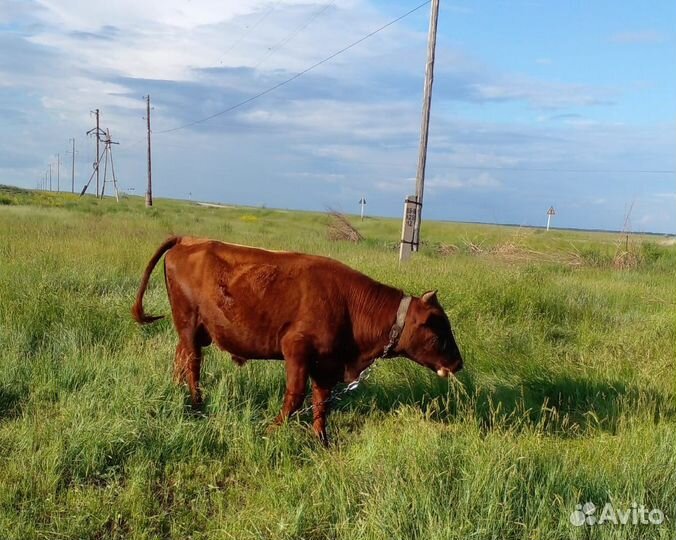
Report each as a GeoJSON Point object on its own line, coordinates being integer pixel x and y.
{"type": "Point", "coordinates": [427, 337]}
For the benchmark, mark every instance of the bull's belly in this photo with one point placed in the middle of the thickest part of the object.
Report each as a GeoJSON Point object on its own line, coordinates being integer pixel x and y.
{"type": "Point", "coordinates": [246, 351]}
{"type": "Point", "coordinates": [244, 343]}
{"type": "Point", "coordinates": [244, 333]}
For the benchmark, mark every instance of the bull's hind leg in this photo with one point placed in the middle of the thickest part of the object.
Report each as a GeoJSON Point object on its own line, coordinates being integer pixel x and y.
{"type": "Point", "coordinates": [187, 365]}
{"type": "Point", "coordinates": [188, 361]}
{"type": "Point", "coordinates": [192, 337]}
{"type": "Point", "coordinates": [188, 358]}
{"type": "Point", "coordinates": [180, 364]}
{"type": "Point", "coordinates": [194, 364]}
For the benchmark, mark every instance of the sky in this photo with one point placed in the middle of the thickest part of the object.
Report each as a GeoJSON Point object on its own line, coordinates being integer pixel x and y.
{"type": "Point", "coordinates": [535, 103]}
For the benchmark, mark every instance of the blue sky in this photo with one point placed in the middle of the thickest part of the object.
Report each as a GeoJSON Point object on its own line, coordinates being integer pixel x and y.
{"type": "Point", "coordinates": [529, 97]}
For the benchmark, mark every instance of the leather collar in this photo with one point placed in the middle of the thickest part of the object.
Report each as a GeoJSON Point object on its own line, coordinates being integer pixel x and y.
{"type": "Point", "coordinates": [397, 327]}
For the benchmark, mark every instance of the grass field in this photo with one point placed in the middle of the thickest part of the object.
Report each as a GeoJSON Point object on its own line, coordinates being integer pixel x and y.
{"type": "Point", "coordinates": [568, 392]}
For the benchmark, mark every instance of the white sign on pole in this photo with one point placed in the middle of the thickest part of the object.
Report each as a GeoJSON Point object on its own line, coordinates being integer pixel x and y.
{"type": "Point", "coordinates": [362, 204]}
{"type": "Point", "coordinates": [551, 212]}
{"type": "Point", "coordinates": [408, 227]}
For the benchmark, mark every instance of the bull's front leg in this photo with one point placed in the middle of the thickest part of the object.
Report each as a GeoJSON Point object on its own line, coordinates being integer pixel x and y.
{"type": "Point", "coordinates": [321, 394]}
{"type": "Point", "coordinates": [297, 360]}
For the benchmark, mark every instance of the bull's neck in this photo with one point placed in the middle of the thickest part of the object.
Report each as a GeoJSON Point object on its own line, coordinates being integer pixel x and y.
{"type": "Point", "coordinates": [373, 308]}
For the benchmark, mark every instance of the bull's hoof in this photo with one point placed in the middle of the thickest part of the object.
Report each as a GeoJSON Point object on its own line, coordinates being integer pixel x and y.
{"type": "Point", "coordinates": [196, 401]}
{"type": "Point", "coordinates": [324, 439]}
{"type": "Point", "coordinates": [274, 426]}
{"type": "Point", "coordinates": [320, 432]}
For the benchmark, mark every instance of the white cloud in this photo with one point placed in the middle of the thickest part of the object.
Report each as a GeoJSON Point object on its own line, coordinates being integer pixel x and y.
{"type": "Point", "coordinates": [158, 39]}
{"type": "Point", "coordinates": [362, 120]}
{"type": "Point", "coordinates": [480, 181]}
{"type": "Point", "coordinates": [180, 14]}
{"type": "Point", "coordinates": [638, 37]}
{"type": "Point", "coordinates": [321, 176]}
{"type": "Point", "coordinates": [483, 180]}
{"type": "Point", "coordinates": [396, 185]}
{"type": "Point", "coordinates": [540, 94]}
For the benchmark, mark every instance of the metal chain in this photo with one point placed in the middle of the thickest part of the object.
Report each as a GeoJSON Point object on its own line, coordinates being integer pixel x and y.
{"type": "Point", "coordinates": [365, 374]}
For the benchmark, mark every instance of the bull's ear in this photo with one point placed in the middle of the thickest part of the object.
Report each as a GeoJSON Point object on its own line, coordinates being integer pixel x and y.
{"type": "Point", "coordinates": [430, 298]}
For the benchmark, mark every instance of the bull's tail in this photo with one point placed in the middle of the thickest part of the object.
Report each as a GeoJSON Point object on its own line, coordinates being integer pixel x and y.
{"type": "Point", "coordinates": [137, 309]}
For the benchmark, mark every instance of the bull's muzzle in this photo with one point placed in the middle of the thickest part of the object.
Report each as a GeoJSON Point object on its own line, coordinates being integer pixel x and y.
{"type": "Point", "coordinates": [447, 372]}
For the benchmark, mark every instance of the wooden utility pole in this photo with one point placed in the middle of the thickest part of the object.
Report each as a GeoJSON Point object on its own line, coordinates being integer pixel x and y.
{"type": "Point", "coordinates": [97, 151]}
{"type": "Point", "coordinates": [149, 191]}
{"type": "Point", "coordinates": [407, 228]}
{"type": "Point", "coordinates": [97, 133]}
{"type": "Point", "coordinates": [72, 168]}
{"type": "Point", "coordinates": [424, 130]}
{"type": "Point", "coordinates": [58, 172]}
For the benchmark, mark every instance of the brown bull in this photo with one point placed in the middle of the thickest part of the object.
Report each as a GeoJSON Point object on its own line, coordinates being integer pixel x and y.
{"type": "Point", "coordinates": [326, 320]}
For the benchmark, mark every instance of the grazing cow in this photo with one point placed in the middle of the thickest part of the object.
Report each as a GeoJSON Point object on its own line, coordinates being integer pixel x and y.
{"type": "Point", "coordinates": [326, 320]}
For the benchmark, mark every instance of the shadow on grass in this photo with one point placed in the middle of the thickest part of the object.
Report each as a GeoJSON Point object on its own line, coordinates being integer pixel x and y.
{"type": "Point", "coordinates": [11, 402]}
{"type": "Point", "coordinates": [555, 404]}
{"type": "Point", "coordinates": [162, 326]}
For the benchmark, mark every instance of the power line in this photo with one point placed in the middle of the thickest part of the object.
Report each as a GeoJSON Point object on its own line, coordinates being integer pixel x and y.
{"type": "Point", "coordinates": [248, 30]}
{"type": "Point", "coordinates": [297, 75]}
{"type": "Point", "coordinates": [294, 33]}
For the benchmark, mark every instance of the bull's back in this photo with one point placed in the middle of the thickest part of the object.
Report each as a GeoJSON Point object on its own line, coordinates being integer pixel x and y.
{"type": "Point", "coordinates": [248, 299]}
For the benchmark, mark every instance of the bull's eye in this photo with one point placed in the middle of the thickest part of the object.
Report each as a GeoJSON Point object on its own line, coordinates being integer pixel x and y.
{"type": "Point", "coordinates": [439, 343]}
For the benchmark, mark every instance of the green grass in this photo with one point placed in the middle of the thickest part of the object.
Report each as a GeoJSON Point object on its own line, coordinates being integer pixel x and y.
{"type": "Point", "coordinates": [568, 393]}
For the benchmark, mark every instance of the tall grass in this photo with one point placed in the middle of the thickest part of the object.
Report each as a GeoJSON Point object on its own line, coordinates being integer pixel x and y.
{"type": "Point", "coordinates": [567, 396]}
